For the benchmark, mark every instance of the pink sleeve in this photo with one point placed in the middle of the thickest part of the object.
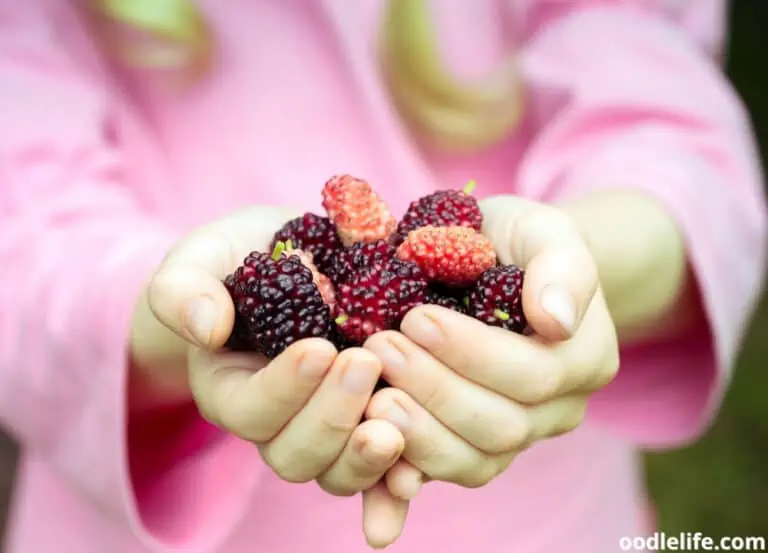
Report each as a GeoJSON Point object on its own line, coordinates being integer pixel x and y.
{"type": "Point", "coordinates": [76, 246]}
{"type": "Point", "coordinates": [624, 96]}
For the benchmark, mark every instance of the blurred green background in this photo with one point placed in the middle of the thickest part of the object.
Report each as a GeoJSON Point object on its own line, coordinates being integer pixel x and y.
{"type": "Point", "coordinates": [719, 486]}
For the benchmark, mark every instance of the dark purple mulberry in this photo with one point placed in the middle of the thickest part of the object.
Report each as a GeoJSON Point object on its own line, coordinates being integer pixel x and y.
{"type": "Point", "coordinates": [311, 233]}
{"type": "Point", "coordinates": [444, 208]}
{"type": "Point", "coordinates": [276, 304]}
{"type": "Point", "coordinates": [345, 263]}
{"type": "Point", "coordinates": [377, 298]}
{"type": "Point", "coordinates": [497, 298]}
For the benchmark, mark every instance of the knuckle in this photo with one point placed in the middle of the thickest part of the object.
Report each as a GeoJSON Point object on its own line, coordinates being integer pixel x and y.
{"type": "Point", "coordinates": [478, 475]}
{"type": "Point", "coordinates": [534, 222]}
{"type": "Point", "coordinates": [428, 454]}
{"type": "Point", "coordinates": [293, 475]}
{"type": "Point", "coordinates": [442, 472]}
{"type": "Point", "coordinates": [332, 486]}
{"type": "Point", "coordinates": [606, 370]}
{"type": "Point", "coordinates": [529, 221]}
{"type": "Point", "coordinates": [604, 377]}
{"type": "Point", "coordinates": [512, 436]}
{"type": "Point", "coordinates": [546, 387]}
{"type": "Point", "coordinates": [281, 397]}
{"type": "Point", "coordinates": [239, 420]}
{"type": "Point", "coordinates": [333, 426]}
{"type": "Point", "coordinates": [208, 413]}
{"type": "Point", "coordinates": [289, 469]}
{"type": "Point", "coordinates": [572, 420]}
{"type": "Point", "coordinates": [362, 468]}
{"type": "Point", "coordinates": [519, 231]}
{"type": "Point", "coordinates": [350, 476]}
{"type": "Point", "coordinates": [580, 367]}
{"type": "Point", "coordinates": [434, 396]}
{"type": "Point", "coordinates": [381, 338]}
{"type": "Point", "coordinates": [238, 424]}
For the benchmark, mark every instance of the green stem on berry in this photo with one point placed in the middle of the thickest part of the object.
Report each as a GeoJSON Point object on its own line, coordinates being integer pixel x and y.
{"type": "Point", "coordinates": [289, 245]}
{"type": "Point", "coordinates": [341, 319]}
{"type": "Point", "coordinates": [466, 301]}
{"type": "Point", "coordinates": [502, 315]}
{"type": "Point", "coordinates": [470, 186]}
{"type": "Point", "coordinates": [278, 251]}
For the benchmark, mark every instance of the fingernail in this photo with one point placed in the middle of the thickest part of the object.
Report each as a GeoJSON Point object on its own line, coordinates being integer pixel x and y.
{"type": "Point", "coordinates": [397, 416]}
{"type": "Point", "coordinates": [357, 378]}
{"type": "Point", "coordinates": [423, 329]}
{"type": "Point", "coordinates": [313, 366]}
{"type": "Point", "coordinates": [559, 304]}
{"type": "Point", "coordinates": [201, 318]}
{"type": "Point", "coordinates": [390, 356]}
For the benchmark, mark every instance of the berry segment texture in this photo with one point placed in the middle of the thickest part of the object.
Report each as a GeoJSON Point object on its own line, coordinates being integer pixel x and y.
{"type": "Point", "coordinates": [346, 262]}
{"type": "Point", "coordinates": [313, 234]}
{"type": "Point", "coordinates": [358, 213]}
{"type": "Point", "coordinates": [276, 304]}
{"type": "Point", "coordinates": [455, 256]}
{"type": "Point", "coordinates": [377, 298]}
{"type": "Point", "coordinates": [444, 208]}
{"type": "Point", "coordinates": [322, 282]}
{"type": "Point", "coordinates": [497, 298]}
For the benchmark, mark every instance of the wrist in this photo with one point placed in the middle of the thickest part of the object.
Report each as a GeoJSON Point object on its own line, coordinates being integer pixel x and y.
{"type": "Point", "coordinates": [641, 259]}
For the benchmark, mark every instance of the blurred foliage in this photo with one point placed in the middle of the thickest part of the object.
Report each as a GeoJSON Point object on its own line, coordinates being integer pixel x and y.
{"type": "Point", "coordinates": [719, 486]}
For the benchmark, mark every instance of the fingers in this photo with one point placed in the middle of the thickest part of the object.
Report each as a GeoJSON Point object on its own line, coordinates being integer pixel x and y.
{"type": "Point", "coordinates": [512, 365]}
{"type": "Point", "coordinates": [516, 367]}
{"type": "Point", "coordinates": [556, 417]}
{"type": "Point", "coordinates": [561, 277]}
{"type": "Point", "coordinates": [187, 294]}
{"type": "Point", "coordinates": [429, 445]}
{"type": "Point", "coordinates": [372, 449]}
{"type": "Point", "coordinates": [384, 516]}
{"type": "Point", "coordinates": [488, 421]}
{"type": "Point", "coordinates": [591, 358]}
{"type": "Point", "coordinates": [559, 285]}
{"type": "Point", "coordinates": [404, 480]}
{"type": "Point", "coordinates": [193, 303]}
{"type": "Point", "coordinates": [253, 399]}
{"type": "Point", "coordinates": [432, 451]}
{"type": "Point", "coordinates": [316, 436]}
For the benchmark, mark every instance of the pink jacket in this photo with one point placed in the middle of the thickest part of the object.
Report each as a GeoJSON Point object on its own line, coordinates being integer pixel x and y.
{"type": "Point", "coordinates": [100, 172]}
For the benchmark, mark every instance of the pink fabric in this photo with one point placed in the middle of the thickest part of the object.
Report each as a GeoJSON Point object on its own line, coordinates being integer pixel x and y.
{"type": "Point", "coordinates": [100, 172]}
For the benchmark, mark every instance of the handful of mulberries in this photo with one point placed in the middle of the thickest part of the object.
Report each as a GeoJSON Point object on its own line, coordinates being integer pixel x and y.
{"type": "Point", "coordinates": [358, 270]}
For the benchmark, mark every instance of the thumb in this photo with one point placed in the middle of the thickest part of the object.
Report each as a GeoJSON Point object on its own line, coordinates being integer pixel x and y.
{"type": "Point", "coordinates": [188, 295]}
{"type": "Point", "coordinates": [560, 275]}
{"type": "Point", "coordinates": [190, 298]}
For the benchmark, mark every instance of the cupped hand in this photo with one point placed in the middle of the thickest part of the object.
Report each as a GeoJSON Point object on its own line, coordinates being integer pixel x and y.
{"type": "Point", "coordinates": [469, 397]}
{"type": "Point", "coordinates": [302, 409]}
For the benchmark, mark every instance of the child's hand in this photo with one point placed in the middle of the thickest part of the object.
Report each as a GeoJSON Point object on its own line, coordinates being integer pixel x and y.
{"type": "Point", "coordinates": [303, 409]}
{"type": "Point", "coordinates": [469, 397]}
